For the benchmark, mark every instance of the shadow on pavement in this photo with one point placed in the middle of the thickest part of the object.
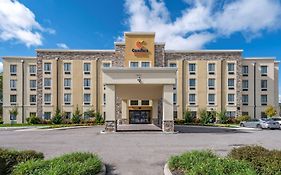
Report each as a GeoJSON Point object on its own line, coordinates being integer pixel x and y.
{"type": "Point", "coordinates": [111, 170]}
{"type": "Point", "coordinates": [206, 129]}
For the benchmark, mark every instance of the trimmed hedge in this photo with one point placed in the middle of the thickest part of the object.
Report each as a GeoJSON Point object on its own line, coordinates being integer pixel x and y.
{"type": "Point", "coordinates": [10, 158]}
{"type": "Point", "coordinates": [68, 164]}
{"type": "Point", "coordinates": [265, 162]}
{"type": "Point", "coordinates": [206, 162]}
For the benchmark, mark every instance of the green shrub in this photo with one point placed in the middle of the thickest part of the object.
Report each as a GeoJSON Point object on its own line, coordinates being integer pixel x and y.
{"type": "Point", "coordinates": [188, 117]}
{"type": "Point", "coordinates": [205, 117]}
{"type": "Point", "coordinates": [1, 120]}
{"type": "Point", "coordinates": [76, 118]}
{"type": "Point", "coordinates": [264, 161]}
{"type": "Point", "coordinates": [243, 118]}
{"type": "Point", "coordinates": [206, 162]}
{"type": "Point", "coordinates": [99, 118]}
{"type": "Point", "coordinates": [10, 158]}
{"type": "Point", "coordinates": [33, 120]}
{"type": "Point", "coordinates": [68, 164]}
{"type": "Point", "coordinates": [223, 119]}
{"type": "Point", "coordinates": [57, 118]}
{"type": "Point", "coordinates": [179, 121]}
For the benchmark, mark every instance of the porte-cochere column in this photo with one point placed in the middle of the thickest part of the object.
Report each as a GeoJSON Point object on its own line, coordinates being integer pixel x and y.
{"type": "Point", "coordinates": [168, 119]}
{"type": "Point", "coordinates": [110, 120]}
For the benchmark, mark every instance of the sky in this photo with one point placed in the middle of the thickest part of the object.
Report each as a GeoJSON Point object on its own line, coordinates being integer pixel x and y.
{"type": "Point", "coordinates": [251, 25]}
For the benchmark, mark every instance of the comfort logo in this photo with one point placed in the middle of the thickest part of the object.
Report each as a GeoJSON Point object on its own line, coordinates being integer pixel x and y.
{"type": "Point", "coordinates": [140, 47]}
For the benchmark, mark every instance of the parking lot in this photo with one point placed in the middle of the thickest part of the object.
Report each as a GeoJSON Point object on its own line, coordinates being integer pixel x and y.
{"type": "Point", "coordinates": [137, 152]}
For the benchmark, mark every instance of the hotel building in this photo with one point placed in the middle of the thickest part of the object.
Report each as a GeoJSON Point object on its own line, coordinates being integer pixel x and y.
{"type": "Point", "coordinates": [138, 82]}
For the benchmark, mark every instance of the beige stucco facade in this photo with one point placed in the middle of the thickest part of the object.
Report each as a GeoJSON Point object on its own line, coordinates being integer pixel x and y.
{"type": "Point", "coordinates": [135, 76]}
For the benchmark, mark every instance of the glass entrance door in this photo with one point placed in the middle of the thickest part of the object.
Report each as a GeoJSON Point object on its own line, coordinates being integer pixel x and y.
{"type": "Point", "coordinates": [139, 116]}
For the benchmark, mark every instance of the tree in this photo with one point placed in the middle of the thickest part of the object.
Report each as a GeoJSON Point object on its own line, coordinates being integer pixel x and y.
{"type": "Point", "coordinates": [57, 118]}
{"type": "Point", "coordinates": [222, 117]}
{"type": "Point", "coordinates": [187, 116]}
{"type": "Point", "coordinates": [76, 118]}
{"type": "Point", "coordinates": [270, 111]}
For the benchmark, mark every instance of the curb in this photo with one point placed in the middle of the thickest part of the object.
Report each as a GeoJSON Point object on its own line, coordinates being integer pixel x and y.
{"type": "Point", "coordinates": [167, 171]}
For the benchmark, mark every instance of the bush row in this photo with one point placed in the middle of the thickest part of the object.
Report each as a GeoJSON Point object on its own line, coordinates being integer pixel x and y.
{"type": "Point", "coordinates": [68, 164]}
{"type": "Point", "coordinates": [10, 158]}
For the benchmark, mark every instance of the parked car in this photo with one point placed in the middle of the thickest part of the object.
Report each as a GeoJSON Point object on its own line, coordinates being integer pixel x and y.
{"type": "Point", "coordinates": [261, 123]}
{"type": "Point", "coordinates": [277, 119]}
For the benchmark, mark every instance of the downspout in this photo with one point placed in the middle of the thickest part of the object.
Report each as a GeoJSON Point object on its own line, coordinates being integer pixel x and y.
{"type": "Point", "coordinates": [97, 86]}
{"type": "Point", "coordinates": [57, 67]}
{"type": "Point", "coordinates": [22, 113]}
{"type": "Point", "coordinates": [254, 64]}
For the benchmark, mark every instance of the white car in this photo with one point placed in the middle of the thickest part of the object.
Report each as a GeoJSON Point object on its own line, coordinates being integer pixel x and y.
{"type": "Point", "coordinates": [277, 119]}
{"type": "Point", "coordinates": [261, 123]}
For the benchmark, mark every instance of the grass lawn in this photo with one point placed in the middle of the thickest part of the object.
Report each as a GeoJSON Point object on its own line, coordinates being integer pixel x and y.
{"type": "Point", "coordinates": [43, 126]}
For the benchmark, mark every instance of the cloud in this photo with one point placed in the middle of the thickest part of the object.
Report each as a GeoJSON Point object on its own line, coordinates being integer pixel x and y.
{"type": "Point", "coordinates": [203, 21]}
{"type": "Point", "coordinates": [62, 46]}
{"type": "Point", "coordinates": [1, 67]}
{"type": "Point", "coordinates": [18, 23]}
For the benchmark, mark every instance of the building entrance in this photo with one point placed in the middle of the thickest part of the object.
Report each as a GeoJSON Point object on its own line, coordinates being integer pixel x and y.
{"type": "Point", "coordinates": [139, 116]}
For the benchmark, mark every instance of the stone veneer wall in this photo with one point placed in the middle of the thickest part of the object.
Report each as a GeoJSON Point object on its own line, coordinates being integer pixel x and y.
{"type": "Point", "coordinates": [224, 56]}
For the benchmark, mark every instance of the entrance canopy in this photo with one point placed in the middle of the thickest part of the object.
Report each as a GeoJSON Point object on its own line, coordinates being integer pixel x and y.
{"type": "Point", "coordinates": [139, 83]}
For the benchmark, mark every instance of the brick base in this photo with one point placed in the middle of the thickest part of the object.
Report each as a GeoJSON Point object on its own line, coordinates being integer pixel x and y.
{"type": "Point", "coordinates": [110, 126]}
{"type": "Point", "coordinates": [168, 126]}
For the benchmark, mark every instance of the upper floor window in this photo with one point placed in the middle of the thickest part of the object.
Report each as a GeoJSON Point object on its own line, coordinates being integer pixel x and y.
{"type": "Point", "coordinates": [145, 102]}
{"type": "Point", "coordinates": [134, 102]}
{"type": "Point", "coordinates": [192, 68]}
{"type": "Point", "coordinates": [245, 70]}
{"type": "Point", "coordinates": [67, 99]}
{"type": "Point", "coordinates": [134, 64]}
{"type": "Point", "coordinates": [230, 99]}
{"type": "Point", "coordinates": [13, 85]}
{"type": "Point", "coordinates": [263, 99]}
{"type": "Point", "coordinates": [245, 99]}
{"type": "Point", "coordinates": [13, 69]}
{"type": "Point", "coordinates": [230, 83]}
{"type": "Point", "coordinates": [106, 64]}
{"type": "Point", "coordinates": [263, 85]}
{"type": "Point", "coordinates": [13, 99]}
{"type": "Point", "coordinates": [192, 84]}
{"type": "Point", "coordinates": [47, 68]}
{"type": "Point", "coordinates": [263, 70]}
{"type": "Point", "coordinates": [245, 85]}
{"type": "Point", "coordinates": [67, 83]}
{"type": "Point", "coordinates": [87, 83]}
{"type": "Point", "coordinates": [67, 68]}
{"type": "Point", "coordinates": [87, 99]}
{"type": "Point", "coordinates": [32, 84]}
{"type": "Point", "coordinates": [211, 68]}
{"type": "Point", "coordinates": [32, 99]}
{"type": "Point", "coordinates": [173, 65]}
{"type": "Point", "coordinates": [192, 99]}
{"type": "Point", "coordinates": [32, 70]}
{"type": "Point", "coordinates": [230, 68]}
{"type": "Point", "coordinates": [87, 68]}
{"type": "Point", "coordinates": [175, 98]}
{"type": "Point", "coordinates": [47, 99]}
{"type": "Point", "coordinates": [211, 99]}
{"type": "Point", "coordinates": [211, 83]}
{"type": "Point", "coordinates": [145, 64]}
{"type": "Point", "coordinates": [47, 83]}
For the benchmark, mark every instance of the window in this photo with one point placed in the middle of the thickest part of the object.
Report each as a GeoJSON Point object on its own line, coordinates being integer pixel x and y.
{"type": "Point", "coordinates": [145, 64]}
{"type": "Point", "coordinates": [145, 102]}
{"type": "Point", "coordinates": [245, 113]}
{"type": "Point", "coordinates": [104, 99]}
{"type": "Point", "coordinates": [230, 68]}
{"type": "Point", "coordinates": [106, 64]}
{"type": "Point", "coordinates": [67, 68]}
{"type": "Point", "coordinates": [87, 83]}
{"type": "Point", "coordinates": [230, 99]}
{"type": "Point", "coordinates": [13, 69]}
{"type": "Point", "coordinates": [32, 70]}
{"type": "Point", "coordinates": [134, 64]}
{"type": "Point", "coordinates": [174, 98]}
{"type": "Point", "coordinates": [211, 68]}
{"type": "Point", "coordinates": [67, 83]}
{"type": "Point", "coordinates": [47, 68]}
{"type": "Point", "coordinates": [67, 99]}
{"type": "Point", "coordinates": [175, 114]}
{"type": "Point", "coordinates": [192, 68]}
{"type": "Point", "coordinates": [263, 115]}
{"type": "Point", "coordinates": [68, 115]}
{"type": "Point", "coordinates": [263, 70]}
{"type": "Point", "coordinates": [263, 85]}
{"type": "Point", "coordinates": [230, 113]}
{"type": "Point", "coordinates": [13, 85]}
{"type": "Point", "coordinates": [192, 84]}
{"type": "Point", "coordinates": [13, 117]}
{"type": "Point", "coordinates": [245, 70]}
{"type": "Point", "coordinates": [230, 83]}
{"type": "Point", "coordinates": [211, 99]}
{"type": "Point", "coordinates": [134, 102]}
{"type": "Point", "coordinates": [87, 99]}
{"type": "Point", "coordinates": [245, 85]}
{"type": "Point", "coordinates": [245, 100]}
{"type": "Point", "coordinates": [32, 84]}
{"type": "Point", "coordinates": [47, 115]}
{"type": "Point", "coordinates": [87, 68]}
{"type": "Point", "coordinates": [32, 99]}
{"type": "Point", "coordinates": [47, 83]}
{"type": "Point", "coordinates": [13, 99]}
{"type": "Point", "coordinates": [263, 100]}
{"type": "Point", "coordinates": [211, 83]}
{"type": "Point", "coordinates": [191, 99]}
{"type": "Point", "coordinates": [47, 99]}
{"type": "Point", "coordinates": [173, 64]}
